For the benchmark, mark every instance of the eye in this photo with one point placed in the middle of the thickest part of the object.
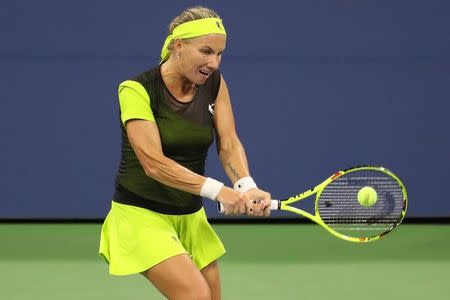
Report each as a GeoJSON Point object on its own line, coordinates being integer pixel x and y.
{"type": "Point", "coordinates": [206, 51]}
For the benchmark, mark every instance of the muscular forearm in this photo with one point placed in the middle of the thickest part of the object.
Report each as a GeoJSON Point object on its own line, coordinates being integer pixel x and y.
{"type": "Point", "coordinates": [234, 160]}
{"type": "Point", "coordinates": [169, 172]}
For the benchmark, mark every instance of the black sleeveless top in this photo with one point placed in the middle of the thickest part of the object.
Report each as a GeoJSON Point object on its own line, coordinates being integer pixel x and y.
{"type": "Point", "coordinates": [186, 131]}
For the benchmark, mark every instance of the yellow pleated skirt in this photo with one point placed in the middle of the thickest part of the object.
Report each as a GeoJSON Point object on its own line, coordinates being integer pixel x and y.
{"type": "Point", "coordinates": [134, 239]}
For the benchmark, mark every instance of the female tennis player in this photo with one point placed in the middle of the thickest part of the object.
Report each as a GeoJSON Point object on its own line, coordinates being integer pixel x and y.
{"type": "Point", "coordinates": [157, 225]}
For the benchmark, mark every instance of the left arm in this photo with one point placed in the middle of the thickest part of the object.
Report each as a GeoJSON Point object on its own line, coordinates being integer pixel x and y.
{"type": "Point", "coordinates": [232, 153]}
{"type": "Point", "coordinates": [230, 149]}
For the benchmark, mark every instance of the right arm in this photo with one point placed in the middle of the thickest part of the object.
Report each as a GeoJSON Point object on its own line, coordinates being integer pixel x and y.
{"type": "Point", "coordinates": [145, 140]}
{"type": "Point", "coordinates": [146, 143]}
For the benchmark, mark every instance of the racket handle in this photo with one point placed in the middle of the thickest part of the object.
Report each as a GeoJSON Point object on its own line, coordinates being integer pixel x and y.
{"type": "Point", "coordinates": [274, 205]}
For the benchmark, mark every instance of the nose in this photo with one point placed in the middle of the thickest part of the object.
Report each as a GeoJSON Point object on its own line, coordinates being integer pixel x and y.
{"type": "Point", "coordinates": [214, 62]}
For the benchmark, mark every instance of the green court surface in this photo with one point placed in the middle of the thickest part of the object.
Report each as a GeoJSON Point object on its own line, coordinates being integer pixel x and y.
{"type": "Point", "coordinates": [59, 261]}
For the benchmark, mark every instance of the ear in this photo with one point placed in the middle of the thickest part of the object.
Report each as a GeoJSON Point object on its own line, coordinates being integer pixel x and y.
{"type": "Point", "coordinates": [177, 45]}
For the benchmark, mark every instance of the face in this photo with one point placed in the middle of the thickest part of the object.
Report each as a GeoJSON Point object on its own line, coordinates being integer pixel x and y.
{"type": "Point", "coordinates": [200, 56]}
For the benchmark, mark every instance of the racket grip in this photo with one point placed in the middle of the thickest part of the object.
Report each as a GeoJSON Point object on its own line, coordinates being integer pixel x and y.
{"type": "Point", "coordinates": [274, 205]}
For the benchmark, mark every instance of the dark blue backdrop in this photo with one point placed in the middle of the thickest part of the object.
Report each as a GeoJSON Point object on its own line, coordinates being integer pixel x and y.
{"type": "Point", "coordinates": [316, 86]}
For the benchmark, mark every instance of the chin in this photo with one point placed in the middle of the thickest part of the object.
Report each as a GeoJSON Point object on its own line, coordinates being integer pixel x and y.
{"type": "Point", "coordinates": [199, 81]}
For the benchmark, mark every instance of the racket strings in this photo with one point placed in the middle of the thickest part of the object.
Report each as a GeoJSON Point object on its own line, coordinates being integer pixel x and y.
{"type": "Point", "coordinates": [339, 208]}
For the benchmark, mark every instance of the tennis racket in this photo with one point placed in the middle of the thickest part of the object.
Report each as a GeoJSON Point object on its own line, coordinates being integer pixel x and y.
{"type": "Point", "coordinates": [338, 210]}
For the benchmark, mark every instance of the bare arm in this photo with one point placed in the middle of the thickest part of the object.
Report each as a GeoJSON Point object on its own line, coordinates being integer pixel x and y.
{"type": "Point", "coordinates": [232, 153]}
{"type": "Point", "coordinates": [229, 147]}
{"type": "Point", "coordinates": [145, 140]}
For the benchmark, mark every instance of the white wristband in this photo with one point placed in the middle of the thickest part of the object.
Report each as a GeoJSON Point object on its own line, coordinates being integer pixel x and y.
{"type": "Point", "coordinates": [244, 184]}
{"type": "Point", "coordinates": [211, 188]}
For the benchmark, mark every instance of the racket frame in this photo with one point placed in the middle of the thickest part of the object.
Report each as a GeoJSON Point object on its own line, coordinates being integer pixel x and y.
{"type": "Point", "coordinates": [284, 204]}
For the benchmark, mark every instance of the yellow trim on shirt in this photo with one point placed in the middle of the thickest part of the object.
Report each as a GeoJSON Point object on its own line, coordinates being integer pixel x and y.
{"type": "Point", "coordinates": [134, 102]}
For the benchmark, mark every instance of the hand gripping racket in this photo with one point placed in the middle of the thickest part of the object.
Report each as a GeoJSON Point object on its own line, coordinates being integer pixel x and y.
{"type": "Point", "coordinates": [338, 210]}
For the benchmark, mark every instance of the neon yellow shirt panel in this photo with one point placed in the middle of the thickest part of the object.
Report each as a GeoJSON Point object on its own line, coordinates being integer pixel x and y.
{"type": "Point", "coordinates": [134, 102]}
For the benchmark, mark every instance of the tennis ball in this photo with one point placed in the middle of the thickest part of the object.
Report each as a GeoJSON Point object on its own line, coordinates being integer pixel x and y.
{"type": "Point", "coordinates": [367, 196]}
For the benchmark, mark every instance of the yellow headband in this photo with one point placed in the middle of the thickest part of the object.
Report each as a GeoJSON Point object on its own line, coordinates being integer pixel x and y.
{"type": "Point", "coordinates": [193, 29]}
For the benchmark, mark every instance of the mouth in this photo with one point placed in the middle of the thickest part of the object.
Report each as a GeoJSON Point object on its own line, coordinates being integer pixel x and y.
{"type": "Point", "coordinates": [204, 73]}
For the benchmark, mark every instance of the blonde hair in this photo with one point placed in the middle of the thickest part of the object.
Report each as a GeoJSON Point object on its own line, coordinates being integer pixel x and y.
{"type": "Point", "coordinates": [191, 14]}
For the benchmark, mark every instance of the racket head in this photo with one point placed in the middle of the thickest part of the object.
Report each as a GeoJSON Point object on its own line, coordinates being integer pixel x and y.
{"type": "Point", "coordinates": [338, 209]}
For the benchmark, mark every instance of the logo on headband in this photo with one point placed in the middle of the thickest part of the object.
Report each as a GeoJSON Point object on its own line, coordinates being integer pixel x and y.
{"type": "Point", "coordinates": [218, 25]}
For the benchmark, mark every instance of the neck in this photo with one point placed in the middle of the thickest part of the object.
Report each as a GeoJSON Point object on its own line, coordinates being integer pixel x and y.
{"type": "Point", "coordinates": [177, 84]}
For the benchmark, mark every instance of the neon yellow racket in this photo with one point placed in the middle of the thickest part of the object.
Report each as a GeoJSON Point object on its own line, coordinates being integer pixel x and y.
{"type": "Point", "coordinates": [338, 210]}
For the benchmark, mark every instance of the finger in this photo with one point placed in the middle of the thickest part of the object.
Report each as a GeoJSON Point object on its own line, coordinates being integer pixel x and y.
{"type": "Point", "coordinates": [224, 209]}
{"type": "Point", "coordinates": [262, 210]}
{"type": "Point", "coordinates": [229, 211]}
{"type": "Point", "coordinates": [267, 202]}
{"type": "Point", "coordinates": [258, 209]}
{"type": "Point", "coordinates": [232, 210]}
{"type": "Point", "coordinates": [242, 209]}
{"type": "Point", "coordinates": [249, 209]}
{"type": "Point", "coordinates": [244, 198]}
